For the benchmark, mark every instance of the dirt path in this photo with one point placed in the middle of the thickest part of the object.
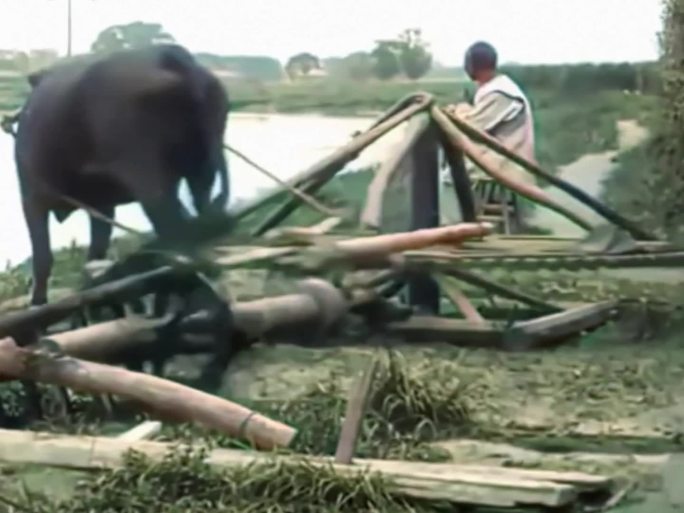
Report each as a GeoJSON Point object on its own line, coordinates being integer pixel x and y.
{"type": "Point", "coordinates": [588, 173]}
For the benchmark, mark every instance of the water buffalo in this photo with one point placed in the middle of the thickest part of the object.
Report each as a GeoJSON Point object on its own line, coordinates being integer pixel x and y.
{"type": "Point", "coordinates": [122, 128]}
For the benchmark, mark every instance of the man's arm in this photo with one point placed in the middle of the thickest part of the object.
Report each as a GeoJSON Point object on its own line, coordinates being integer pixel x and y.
{"type": "Point", "coordinates": [490, 113]}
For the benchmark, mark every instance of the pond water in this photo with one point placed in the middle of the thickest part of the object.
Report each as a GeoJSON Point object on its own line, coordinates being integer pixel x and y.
{"type": "Point", "coordinates": [283, 144]}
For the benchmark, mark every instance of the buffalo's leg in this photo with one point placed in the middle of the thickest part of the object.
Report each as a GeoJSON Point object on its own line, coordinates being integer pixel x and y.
{"type": "Point", "coordinates": [167, 215]}
{"type": "Point", "coordinates": [100, 235]}
{"type": "Point", "coordinates": [39, 233]}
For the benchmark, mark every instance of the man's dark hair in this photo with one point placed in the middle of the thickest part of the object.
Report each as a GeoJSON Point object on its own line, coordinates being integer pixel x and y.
{"type": "Point", "coordinates": [480, 56]}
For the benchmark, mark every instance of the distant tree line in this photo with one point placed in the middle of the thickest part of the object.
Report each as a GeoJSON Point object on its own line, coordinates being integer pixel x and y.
{"type": "Point", "coordinates": [406, 56]}
{"type": "Point", "coordinates": [586, 78]}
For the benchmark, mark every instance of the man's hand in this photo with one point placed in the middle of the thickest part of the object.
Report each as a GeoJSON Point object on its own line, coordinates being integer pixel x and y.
{"type": "Point", "coordinates": [460, 109]}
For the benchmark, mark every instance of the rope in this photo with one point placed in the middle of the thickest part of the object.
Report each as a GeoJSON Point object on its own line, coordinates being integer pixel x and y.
{"type": "Point", "coordinates": [306, 198]}
{"type": "Point", "coordinates": [7, 125]}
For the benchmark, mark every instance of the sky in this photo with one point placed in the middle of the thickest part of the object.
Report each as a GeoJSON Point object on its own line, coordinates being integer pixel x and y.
{"type": "Point", "coordinates": [524, 31]}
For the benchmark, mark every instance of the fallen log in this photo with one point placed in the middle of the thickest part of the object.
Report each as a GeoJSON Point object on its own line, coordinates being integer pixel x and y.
{"type": "Point", "coordinates": [161, 397]}
{"type": "Point", "coordinates": [432, 481]}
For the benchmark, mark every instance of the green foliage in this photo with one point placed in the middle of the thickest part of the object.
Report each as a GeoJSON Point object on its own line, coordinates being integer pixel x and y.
{"type": "Point", "coordinates": [414, 56]}
{"type": "Point", "coordinates": [385, 60]}
{"type": "Point", "coordinates": [356, 66]}
{"type": "Point", "coordinates": [408, 54]}
{"type": "Point", "coordinates": [629, 188]}
{"type": "Point", "coordinates": [132, 35]}
{"type": "Point", "coordinates": [301, 64]}
{"type": "Point", "coordinates": [574, 79]}
{"type": "Point", "coordinates": [649, 181]}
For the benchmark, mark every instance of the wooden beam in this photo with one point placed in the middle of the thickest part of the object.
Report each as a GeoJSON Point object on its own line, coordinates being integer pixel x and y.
{"type": "Point", "coordinates": [423, 161]}
{"type": "Point", "coordinates": [452, 331]}
{"type": "Point", "coordinates": [583, 481]}
{"type": "Point", "coordinates": [559, 326]}
{"type": "Point", "coordinates": [455, 484]}
{"type": "Point", "coordinates": [460, 300]}
{"type": "Point", "coordinates": [463, 188]}
{"type": "Point", "coordinates": [500, 290]}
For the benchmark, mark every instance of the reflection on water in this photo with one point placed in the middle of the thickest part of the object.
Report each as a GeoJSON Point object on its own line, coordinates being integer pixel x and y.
{"type": "Point", "coordinates": [283, 144]}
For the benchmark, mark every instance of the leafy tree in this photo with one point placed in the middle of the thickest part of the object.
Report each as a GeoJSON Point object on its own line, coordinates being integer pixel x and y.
{"type": "Point", "coordinates": [302, 64]}
{"type": "Point", "coordinates": [386, 60]}
{"type": "Point", "coordinates": [356, 66]}
{"type": "Point", "coordinates": [359, 66]}
{"type": "Point", "coordinates": [133, 35]}
{"type": "Point", "coordinates": [414, 56]}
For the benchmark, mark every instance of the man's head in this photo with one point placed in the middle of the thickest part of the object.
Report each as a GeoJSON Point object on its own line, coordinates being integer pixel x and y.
{"type": "Point", "coordinates": [480, 62]}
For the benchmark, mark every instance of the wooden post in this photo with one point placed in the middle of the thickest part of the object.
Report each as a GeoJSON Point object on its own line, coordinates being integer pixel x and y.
{"type": "Point", "coordinates": [353, 417]}
{"type": "Point", "coordinates": [459, 177]}
{"type": "Point", "coordinates": [423, 290]}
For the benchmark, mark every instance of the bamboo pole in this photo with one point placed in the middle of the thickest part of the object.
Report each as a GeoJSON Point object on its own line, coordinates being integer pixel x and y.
{"type": "Point", "coordinates": [577, 193]}
{"type": "Point", "coordinates": [340, 157]}
{"type": "Point", "coordinates": [501, 290]}
{"type": "Point", "coordinates": [165, 398]}
{"type": "Point", "coordinates": [529, 191]}
{"type": "Point", "coordinates": [323, 171]}
{"type": "Point", "coordinates": [405, 241]}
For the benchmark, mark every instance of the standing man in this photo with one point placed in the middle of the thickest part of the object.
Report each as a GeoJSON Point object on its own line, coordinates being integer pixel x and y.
{"type": "Point", "coordinates": [499, 108]}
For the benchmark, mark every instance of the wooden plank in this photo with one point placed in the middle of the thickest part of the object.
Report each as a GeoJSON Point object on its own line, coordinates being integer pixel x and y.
{"type": "Point", "coordinates": [557, 326]}
{"type": "Point", "coordinates": [480, 452]}
{"type": "Point", "coordinates": [434, 483]}
{"type": "Point", "coordinates": [143, 431]}
{"type": "Point", "coordinates": [353, 417]}
{"type": "Point", "coordinates": [581, 480]}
